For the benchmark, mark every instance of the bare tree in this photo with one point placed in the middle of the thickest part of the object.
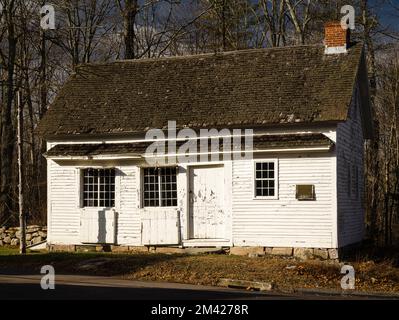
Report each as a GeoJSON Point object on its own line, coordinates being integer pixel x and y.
{"type": "Point", "coordinates": [7, 59]}
{"type": "Point", "coordinates": [300, 16]}
{"type": "Point", "coordinates": [274, 22]}
{"type": "Point", "coordinates": [129, 9]}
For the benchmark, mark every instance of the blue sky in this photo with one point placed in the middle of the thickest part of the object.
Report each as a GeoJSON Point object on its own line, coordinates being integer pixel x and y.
{"type": "Point", "coordinates": [388, 16]}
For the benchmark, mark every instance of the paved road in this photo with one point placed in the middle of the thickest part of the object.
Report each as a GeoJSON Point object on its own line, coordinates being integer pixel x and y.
{"type": "Point", "coordinates": [89, 287]}
{"type": "Point", "coordinates": [109, 288]}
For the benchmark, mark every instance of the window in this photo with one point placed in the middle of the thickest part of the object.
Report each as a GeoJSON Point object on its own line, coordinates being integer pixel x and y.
{"type": "Point", "coordinates": [160, 187]}
{"type": "Point", "coordinates": [305, 192]}
{"type": "Point", "coordinates": [266, 179]}
{"type": "Point", "coordinates": [98, 187]}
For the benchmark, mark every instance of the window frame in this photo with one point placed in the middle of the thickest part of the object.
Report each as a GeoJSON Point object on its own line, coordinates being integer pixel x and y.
{"type": "Point", "coordinates": [276, 180]}
{"type": "Point", "coordinates": [82, 187]}
{"type": "Point", "coordinates": [142, 199]}
{"type": "Point", "coordinates": [313, 196]}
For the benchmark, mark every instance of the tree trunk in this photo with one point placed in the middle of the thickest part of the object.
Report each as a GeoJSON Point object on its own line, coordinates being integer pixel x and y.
{"type": "Point", "coordinates": [129, 19]}
{"type": "Point", "coordinates": [7, 139]}
{"type": "Point", "coordinates": [22, 221]}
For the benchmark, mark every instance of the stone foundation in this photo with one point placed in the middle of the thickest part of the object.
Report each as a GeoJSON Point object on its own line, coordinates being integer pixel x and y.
{"type": "Point", "coordinates": [11, 236]}
{"type": "Point", "coordinates": [300, 253]}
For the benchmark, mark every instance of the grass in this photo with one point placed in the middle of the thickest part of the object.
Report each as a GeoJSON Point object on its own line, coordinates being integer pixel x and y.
{"type": "Point", "coordinates": [286, 273]}
{"type": "Point", "coordinates": [8, 251]}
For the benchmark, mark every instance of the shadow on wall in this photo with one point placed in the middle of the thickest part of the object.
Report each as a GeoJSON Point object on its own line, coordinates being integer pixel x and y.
{"type": "Point", "coordinates": [102, 227]}
{"type": "Point", "coordinates": [107, 233]}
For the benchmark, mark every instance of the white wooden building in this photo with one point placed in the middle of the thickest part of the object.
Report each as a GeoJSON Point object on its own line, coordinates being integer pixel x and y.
{"type": "Point", "coordinates": [308, 107]}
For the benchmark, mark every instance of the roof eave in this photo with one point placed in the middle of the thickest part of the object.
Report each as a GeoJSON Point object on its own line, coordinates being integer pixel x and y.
{"type": "Point", "coordinates": [139, 134]}
{"type": "Point", "coordinates": [320, 148]}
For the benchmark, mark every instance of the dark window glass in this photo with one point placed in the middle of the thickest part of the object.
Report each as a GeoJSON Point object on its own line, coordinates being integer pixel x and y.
{"type": "Point", "coordinates": [160, 187]}
{"type": "Point", "coordinates": [98, 187]}
{"type": "Point", "coordinates": [265, 184]}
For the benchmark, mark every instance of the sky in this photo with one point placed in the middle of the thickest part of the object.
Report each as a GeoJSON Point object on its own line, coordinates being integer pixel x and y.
{"type": "Point", "coordinates": [388, 15]}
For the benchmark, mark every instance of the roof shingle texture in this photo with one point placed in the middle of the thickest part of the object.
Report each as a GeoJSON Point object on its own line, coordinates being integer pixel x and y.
{"type": "Point", "coordinates": [248, 88]}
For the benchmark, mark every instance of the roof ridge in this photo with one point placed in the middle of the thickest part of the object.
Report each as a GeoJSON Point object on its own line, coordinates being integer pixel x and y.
{"type": "Point", "coordinates": [199, 55]}
{"type": "Point", "coordinates": [206, 55]}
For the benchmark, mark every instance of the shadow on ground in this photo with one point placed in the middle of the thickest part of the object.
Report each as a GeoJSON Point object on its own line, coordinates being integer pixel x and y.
{"type": "Point", "coordinates": [369, 252]}
{"type": "Point", "coordinates": [76, 292]}
{"type": "Point", "coordinates": [100, 264]}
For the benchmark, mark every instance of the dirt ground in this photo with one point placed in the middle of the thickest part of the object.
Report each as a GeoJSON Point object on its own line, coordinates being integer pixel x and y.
{"type": "Point", "coordinates": [374, 272]}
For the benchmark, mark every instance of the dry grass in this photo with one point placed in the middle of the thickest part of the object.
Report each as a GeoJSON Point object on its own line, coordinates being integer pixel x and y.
{"type": "Point", "coordinates": [286, 273]}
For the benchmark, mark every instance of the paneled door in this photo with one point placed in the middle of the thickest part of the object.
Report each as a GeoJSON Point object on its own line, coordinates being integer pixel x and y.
{"type": "Point", "coordinates": [206, 197]}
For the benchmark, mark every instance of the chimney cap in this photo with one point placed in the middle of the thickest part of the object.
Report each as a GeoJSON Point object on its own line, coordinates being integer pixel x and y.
{"type": "Point", "coordinates": [332, 23]}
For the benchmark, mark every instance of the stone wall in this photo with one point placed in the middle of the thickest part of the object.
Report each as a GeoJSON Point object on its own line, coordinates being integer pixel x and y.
{"type": "Point", "coordinates": [300, 253]}
{"type": "Point", "coordinates": [11, 236]}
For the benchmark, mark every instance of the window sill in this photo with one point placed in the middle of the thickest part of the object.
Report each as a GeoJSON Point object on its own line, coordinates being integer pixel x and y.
{"type": "Point", "coordinates": [160, 208]}
{"type": "Point", "coordinates": [265, 198]}
{"type": "Point", "coordinates": [97, 208]}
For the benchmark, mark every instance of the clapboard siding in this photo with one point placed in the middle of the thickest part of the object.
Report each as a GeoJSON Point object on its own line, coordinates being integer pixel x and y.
{"type": "Point", "coordinates": [64, 204]}
{"type": "Point", "coordinates": [64, 216]}
{"type": "Point", "coordinates": [285, 221]}
{"type": "Point", "coordinates": [129, 222]}
{"type": "Point", "coordinates": [249, 221]}
{"type": "Point", "coordinates": [350, 148]}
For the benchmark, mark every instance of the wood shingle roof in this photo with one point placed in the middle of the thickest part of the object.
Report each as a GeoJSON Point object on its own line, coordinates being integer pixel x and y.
{"type": "Point", "coordinates": [248, 88]}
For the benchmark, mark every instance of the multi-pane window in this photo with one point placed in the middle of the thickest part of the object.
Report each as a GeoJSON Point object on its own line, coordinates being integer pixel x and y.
{"type": "Point", "coordinates": [266, 179]}
{"type": "Point", "coordinates": [98, 187]}
{"type": "Point", "coordinates": [160, 187]}
{"type": "Point", "coordinates": [151, 187]}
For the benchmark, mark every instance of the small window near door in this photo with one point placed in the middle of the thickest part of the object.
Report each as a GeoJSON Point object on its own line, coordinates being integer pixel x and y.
{"type": "Point", "coordinates": [305, 192]}
{"type": "Point", "coordinates": [159, 187]}
{"type": "Point", "coordinates": [99, 187]}
{"type": "Point", "coordinates": [266, 179]}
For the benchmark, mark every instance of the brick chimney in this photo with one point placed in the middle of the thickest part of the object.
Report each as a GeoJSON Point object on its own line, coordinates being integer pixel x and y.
{"type": "Point", "coordinates": [337, 39]}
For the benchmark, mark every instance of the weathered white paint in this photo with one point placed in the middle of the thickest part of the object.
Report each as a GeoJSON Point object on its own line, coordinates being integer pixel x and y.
{"type": "Point", "coordinates": [207, 243]}
{"type": "Point", "coordinates": [98, 226]}
{"type": "Point", "coordinates": [63, 214]}
{"type": "Point", "coordinates": [183, 184]}
{"type": "Point", "coordinates": [206, 210]}
{"type": "Point", "coordinates": [335, 50]}
{"type": "Point", "coordinates": [247, 221]}
{"type": "Point", "coordinates": [350, 149]}
{"type": "Point", "coordinates": [128, 208]}
{"type": "Point", "coordinates": [160, 226]}
{"type": "Point", "coordinates": [285, 221]}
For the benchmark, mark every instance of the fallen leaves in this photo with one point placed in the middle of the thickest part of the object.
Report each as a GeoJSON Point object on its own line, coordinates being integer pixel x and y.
{"type": "Point", "coordinates": [207, 269]}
